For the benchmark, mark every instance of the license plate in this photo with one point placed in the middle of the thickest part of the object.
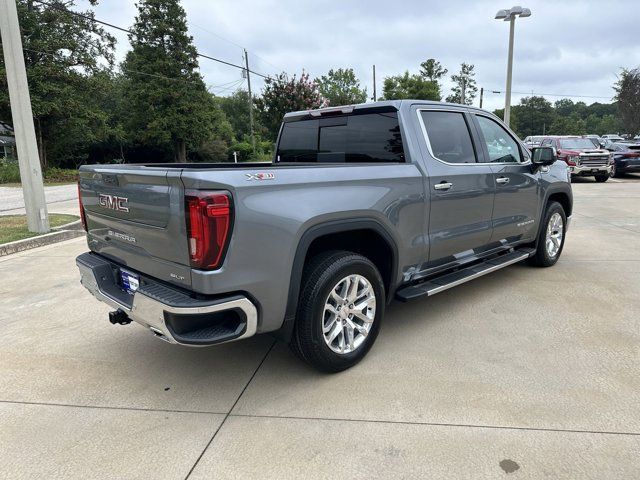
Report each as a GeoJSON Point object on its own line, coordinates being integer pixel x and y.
{"type": "Point", "coordinates": [594, 170]}
{"type": "Point", "coordinates": [130, 281]}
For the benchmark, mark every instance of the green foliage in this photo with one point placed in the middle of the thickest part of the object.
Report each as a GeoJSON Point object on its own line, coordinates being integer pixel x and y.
{"type": "Point", "coordinates": [9, 172]}
{"type": "Point", "coordinates": [628, 97]}
{"type": "Point", "coordinates": [62, 55]}
{"type": "Point", "coordinates": [533, 116]}
{"type": "Point", "coordinates": [281, 95]}
{"type": "Point", "coordinates": [341, 87]}
{"type": "Point", "coordinates": [236, 110]}
{"type": "Point", "coordinates": [432, 70]}
{"type": "Point", "coordinates": [167, 102]}
{"type": "Point", "coordinates": [537, 116]}
{"type": "Point", "coordinates": [60, 175]}
{"type": "Point", "coordinates": [568, 125]}
{"type": "Point", "coordinates": [463, 80]}
{"type": "Point", "coordinates": [410, 86]}
{"type": "Point", "coordinates": [246, 153]}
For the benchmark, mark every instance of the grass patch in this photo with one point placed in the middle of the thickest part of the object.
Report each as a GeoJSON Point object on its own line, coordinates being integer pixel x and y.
{"type": "Point", "coordinates": [14, 227]}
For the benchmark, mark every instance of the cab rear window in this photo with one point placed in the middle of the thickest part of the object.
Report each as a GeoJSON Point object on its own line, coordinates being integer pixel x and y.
{"type": "Point", "coordinates": [370, 137]}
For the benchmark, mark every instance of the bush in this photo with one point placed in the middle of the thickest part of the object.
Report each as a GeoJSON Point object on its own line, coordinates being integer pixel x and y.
{"type": "Point", "coordinates": [9, 172]}
{"type": "Point", "coordinates": [60, 175]}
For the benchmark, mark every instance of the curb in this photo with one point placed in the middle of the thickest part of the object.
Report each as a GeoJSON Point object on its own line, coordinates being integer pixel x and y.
{"type": "Point", "coordinates": [75, 225]}
{"type": "Point", "coordinates": [42, 240]}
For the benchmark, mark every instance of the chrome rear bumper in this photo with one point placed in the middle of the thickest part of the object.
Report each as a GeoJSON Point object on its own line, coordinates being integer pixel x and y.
{"type": "Point", "coordinates": [147, 307]}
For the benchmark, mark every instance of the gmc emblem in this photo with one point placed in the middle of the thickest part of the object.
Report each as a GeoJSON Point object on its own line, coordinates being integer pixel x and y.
{"type": "Point", "coordinates": [113, 202]}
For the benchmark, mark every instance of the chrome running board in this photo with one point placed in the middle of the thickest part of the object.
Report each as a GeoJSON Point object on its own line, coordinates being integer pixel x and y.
{"type": "Point", "coordinates": [449, 280]}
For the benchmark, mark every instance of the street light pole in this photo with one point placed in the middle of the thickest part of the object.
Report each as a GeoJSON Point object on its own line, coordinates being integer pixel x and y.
{"type": "Point", "coordinates": [510, 15]}
{"type": "Point", "coordinates": [28, 159]}
{"type": "Point", "coordinates": [507, 95]}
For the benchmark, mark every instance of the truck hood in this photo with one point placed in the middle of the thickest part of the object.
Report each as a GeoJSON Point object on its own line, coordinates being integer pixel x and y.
{"type": "Point", "coordinates": [578, 151]}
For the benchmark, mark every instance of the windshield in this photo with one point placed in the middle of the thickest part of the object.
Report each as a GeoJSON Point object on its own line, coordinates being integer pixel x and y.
{"type": "Point", "coordinates": [579, 143]}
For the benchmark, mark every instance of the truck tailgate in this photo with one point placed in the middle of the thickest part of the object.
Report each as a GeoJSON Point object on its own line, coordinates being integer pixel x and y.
{"type": "Point", "coordinates": [135, 216]}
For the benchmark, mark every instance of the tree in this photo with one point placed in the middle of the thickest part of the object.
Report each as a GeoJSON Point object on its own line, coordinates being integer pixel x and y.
{"type": "Point", "coordinates": [410, 86]}
{"type": "Point", "coordinates": [281, 95]}
{"type": "Point", "coordinates": [167, 101]}
{"type": "Point", "coordinates": [628, 97]}
{"type": "Point", "coordinates": [568, 125]}
{"type": "Point", "coordinates": [533, 116]}
{"type": "Point", "coordinates": [236, 109]}
{"type": "Point", "coordinates": [463, 80]}
{"type": "Point", "coordinates": [432, 70]}
{"type": "Point", "coordinates": [564, 106]}
{"type": "Point", "coordinates": [63, 53]}
{"type": "Point", "coordinates": [341, 87]}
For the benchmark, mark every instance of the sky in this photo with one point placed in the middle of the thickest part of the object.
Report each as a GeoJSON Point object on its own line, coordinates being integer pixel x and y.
{"type": "Point", "coordinates": [570, 49]}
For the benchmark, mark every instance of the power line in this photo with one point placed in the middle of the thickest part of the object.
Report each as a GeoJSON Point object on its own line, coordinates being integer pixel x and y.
{"type": "Point", "coordinates": [129, 70]}
{"type": "Point", "coordinates": [550, 94]}
{"type": "Point", "coordinates": [236, 84]}
{"type": "Point", "coordinates": [235, 44]}
{"type": "Point", "coordinates": [126, 30]}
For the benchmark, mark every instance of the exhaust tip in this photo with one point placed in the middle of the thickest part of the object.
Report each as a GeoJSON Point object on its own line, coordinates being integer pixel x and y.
{"type": "Point", "coordinates": [159, 334]}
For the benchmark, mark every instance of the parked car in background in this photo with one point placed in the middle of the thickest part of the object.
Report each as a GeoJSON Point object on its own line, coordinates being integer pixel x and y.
{"type": "Point", "coordinates": [597, 140]}
{"type": "Point", "coordinates": [581, 156]}
{"type": "Point", "coordinates": [613, 137]}
{"type": "Point", "coordinates": [626, 157]}
{"type": "Point", "coordinates": [533, 141]}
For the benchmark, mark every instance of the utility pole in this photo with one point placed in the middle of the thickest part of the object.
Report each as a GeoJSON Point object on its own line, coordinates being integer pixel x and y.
{"type": "Point", "coordinates": [375, 96]}
{"type": "Point", "coordinates": [253, 138]}
{"type": "Point", "coordinates": [481, 95]}
{"type": "Point", "coordinates": [462, 92]}
{"type": "Point", "coordinates": [30, 171]}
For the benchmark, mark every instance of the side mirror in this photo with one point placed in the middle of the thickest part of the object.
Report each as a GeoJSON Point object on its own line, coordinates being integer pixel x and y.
{"type": "Point", "coordinates": [542, 156]}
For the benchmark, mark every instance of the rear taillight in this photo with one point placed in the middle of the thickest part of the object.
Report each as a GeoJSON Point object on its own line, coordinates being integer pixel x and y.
{"type": "Point", "coordinates": [83, 218]}
{"type": "Point", "coordinates": [208, 226]}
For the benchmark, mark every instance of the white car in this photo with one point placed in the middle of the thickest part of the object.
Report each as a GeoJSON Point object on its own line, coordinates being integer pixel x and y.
{"type": "Point", "coordinates": [613, 137]}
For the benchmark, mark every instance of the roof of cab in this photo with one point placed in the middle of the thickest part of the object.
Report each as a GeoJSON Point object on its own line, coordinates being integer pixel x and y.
{"type": "Point", "coordinates": [395, 104]}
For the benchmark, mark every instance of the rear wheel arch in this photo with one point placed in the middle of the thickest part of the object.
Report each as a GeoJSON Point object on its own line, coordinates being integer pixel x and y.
{"type": "Point", "coordinates": [367, 237]}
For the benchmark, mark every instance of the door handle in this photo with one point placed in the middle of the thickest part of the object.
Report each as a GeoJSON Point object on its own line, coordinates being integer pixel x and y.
{"type": "Point", "coordinates": [443, 186]}
{"type": "Point", "coordinates": [502, 180]}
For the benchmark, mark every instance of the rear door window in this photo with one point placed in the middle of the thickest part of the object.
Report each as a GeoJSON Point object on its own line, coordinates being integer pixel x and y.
{"type": "Point", "coordinates": [369, 137]}
{"type": "Point", "coordinates": [449, 137]}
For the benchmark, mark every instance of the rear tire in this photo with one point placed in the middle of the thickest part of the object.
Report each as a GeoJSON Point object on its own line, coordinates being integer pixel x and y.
{"type": "Point", "coordinates": [602, 178]}
{"type": "Point", "coordinates": [334, 285]}
{"type": "Point", "coordinates": [551, 236]}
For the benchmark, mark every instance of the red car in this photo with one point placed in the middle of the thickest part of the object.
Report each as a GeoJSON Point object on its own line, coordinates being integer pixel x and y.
{"type": "Point", "coordinates": [581, 156]}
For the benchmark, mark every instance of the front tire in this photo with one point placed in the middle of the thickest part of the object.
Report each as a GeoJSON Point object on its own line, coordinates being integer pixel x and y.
{"type": "Point", "coordinates": [340, 310]}
{"type": "Point", "coordinates": [551, 236]}
{"type": "Point", "coordinates": [602, 178]}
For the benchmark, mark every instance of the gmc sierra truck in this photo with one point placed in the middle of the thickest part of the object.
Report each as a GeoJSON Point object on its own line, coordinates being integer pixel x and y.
{"type": "Point", "coordinates": [360, 205]}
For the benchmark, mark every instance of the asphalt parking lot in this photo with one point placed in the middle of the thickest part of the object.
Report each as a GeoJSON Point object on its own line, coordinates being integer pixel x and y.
{"type": "Point", "coordinates": [525, 373]}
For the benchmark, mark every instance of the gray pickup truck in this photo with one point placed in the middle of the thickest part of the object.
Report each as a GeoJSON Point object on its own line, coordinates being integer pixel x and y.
{"type": "Point", "coordinates": [360, 205]}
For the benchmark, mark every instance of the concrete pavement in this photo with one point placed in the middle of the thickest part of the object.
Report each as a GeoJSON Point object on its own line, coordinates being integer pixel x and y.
{"type": "Point", "coordinates": [60, 199]}
{"type": "Point", "coordinates": [525, 373]}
